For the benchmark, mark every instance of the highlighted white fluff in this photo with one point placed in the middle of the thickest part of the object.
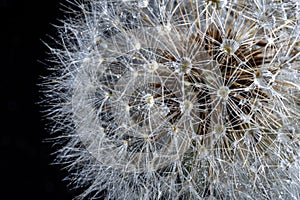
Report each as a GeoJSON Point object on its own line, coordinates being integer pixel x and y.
{"type": "Point", "coordinates": [179, 99]}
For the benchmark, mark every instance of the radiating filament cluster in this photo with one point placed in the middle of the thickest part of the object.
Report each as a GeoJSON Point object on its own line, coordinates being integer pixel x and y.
{"type": "Point", "coordinates": [180, 99]}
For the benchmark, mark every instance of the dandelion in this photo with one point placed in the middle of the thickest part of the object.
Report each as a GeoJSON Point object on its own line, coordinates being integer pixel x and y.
{"type": "Point", "coordinates": [179, 99]}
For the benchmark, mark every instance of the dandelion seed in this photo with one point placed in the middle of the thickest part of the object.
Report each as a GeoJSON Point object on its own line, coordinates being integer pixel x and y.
{"type": "Point", "coordinates": [219, 129]}
{"type": "Point", "coordinates": [185, 66]}
{"type": "Point", "coordinates": [186, 107]}
{"type": "Point", "coordinates": [230, 46]}
{"type": "Point", "coordinates": [149, 100]}
{"type": "Point", "coordinates": [223, 92]}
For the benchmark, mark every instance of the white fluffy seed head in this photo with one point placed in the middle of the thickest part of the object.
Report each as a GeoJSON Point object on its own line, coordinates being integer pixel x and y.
{"type": "Point", "coordinates": [188, 99]}
{"type": "Point", "coordinates": [223, 92]}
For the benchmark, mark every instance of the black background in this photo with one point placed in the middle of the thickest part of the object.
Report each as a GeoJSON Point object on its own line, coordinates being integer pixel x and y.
{"type": "Point", "coordinates": [26, 170]}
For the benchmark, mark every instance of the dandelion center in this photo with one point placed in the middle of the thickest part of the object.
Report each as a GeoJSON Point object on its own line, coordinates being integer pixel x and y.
{"type": "Point", "coordinates": [230, 46]}
{"type": "Point", "coordinates": [223, 92]}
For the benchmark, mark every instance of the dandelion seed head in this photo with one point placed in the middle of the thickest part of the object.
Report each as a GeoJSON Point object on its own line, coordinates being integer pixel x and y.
{"type": "Point", "coordinates": [185, 66]}
{"type": "Point", "coordinates": [149, 100]}
{"type": "Point", "coordinates": [223, 92]}
{"type": "Point", "coordinates": [178, 99]}
{"type": "Point", "coordinates": [186, 106]}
